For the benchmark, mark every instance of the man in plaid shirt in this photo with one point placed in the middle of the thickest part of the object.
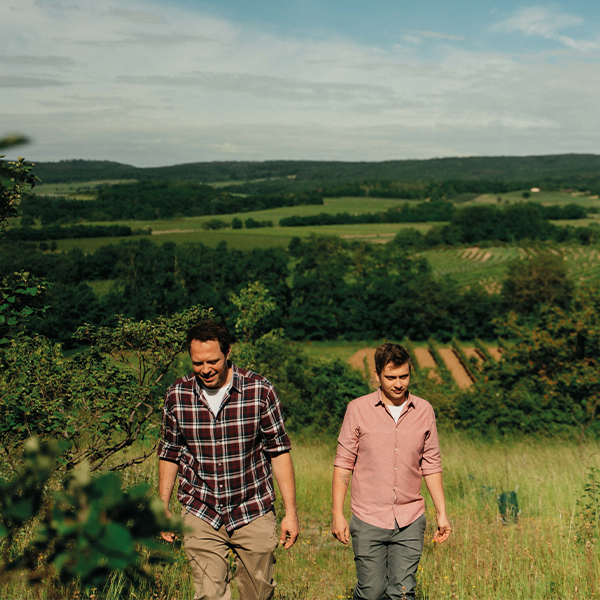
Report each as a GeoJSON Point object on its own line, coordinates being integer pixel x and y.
{"type": "Point", "coordinates": [223, 437]}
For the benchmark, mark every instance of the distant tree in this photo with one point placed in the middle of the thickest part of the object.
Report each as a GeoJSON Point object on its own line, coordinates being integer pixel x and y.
{"type": "Point", "coordinates": [15, 178]}
{"type": "Point", "coordinates": [547, 380]}
{"type": "Point", "coordinates": [536, 281]}
{"type": "Point", "coordinates": [236, 223]}
{"type": "Point", "coordinates": [215, 224]}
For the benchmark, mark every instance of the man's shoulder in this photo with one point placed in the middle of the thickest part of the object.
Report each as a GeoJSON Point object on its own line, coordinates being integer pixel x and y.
{"type": "Point", "coordinates": [423, 409]}
{"type": "Point", "coordinates": [366, 400]}
{"type": "Point", "coordinates": [248, 377]}
{"type": "Point", "coordinates": [183, 383]}
{"type": "Point", "coordinates": [420, 402]}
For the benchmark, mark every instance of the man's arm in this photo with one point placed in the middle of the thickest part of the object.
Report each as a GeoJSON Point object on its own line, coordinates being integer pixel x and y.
{"type": "Point", "coordinates": [167, 475]}
{"type": "Point", "coordinates": [339, 525]}
{"type": "Point", "coordinates": [283, 469]}
{"type": "Point", "coordinates": [435, 485]}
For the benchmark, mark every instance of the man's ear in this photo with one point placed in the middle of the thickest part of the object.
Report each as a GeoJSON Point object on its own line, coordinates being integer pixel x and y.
{"type": "Point", "coordinates": [228, 353]}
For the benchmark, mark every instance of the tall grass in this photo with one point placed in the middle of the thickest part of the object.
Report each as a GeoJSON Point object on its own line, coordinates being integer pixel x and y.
{"type": "Point", "coordinates": [541, 556]}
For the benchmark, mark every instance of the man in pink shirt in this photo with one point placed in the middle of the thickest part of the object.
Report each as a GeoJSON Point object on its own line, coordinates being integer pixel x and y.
{"type": "Point", "coordinates": [387, 444]}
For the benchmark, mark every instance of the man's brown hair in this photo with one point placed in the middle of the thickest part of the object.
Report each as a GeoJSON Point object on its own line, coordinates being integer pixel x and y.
{"type": "Point", "coordinates": [205, 331]}
{"type": "Point", "coordinates": [391, 353]}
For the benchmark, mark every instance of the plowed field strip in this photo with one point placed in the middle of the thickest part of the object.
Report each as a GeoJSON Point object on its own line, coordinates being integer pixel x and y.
{"type": "Point", "coordinates": [357, 360]}
{"type": "Point", "coordinates": [425, 361]}
{"type": "Point", "coordinates": [424, 358]}
{"type": "Point", "coordinates": [459, 374]}
{"type": "Point", "coordinates": [495, 352]}
{"type": "Point", "coordinates": [471, 352]}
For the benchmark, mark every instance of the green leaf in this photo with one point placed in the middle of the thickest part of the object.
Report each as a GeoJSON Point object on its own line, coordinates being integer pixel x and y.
{"type": "Point", "coordinates": [117, 539]}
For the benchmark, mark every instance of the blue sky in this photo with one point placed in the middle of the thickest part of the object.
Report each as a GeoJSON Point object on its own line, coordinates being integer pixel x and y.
{"type": "Point", "coordinates": [158, 82]}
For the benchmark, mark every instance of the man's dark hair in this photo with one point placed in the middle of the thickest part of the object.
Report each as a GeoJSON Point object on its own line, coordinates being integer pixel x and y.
{"type": "Point", "coordinates": [391, 353]}
{"type": "Point", "coordinates": [205, 331]}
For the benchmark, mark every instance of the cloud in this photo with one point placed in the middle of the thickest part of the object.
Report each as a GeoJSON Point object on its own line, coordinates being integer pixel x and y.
{"type": "Point", "coordinates": [161, 83]}
{"type": "Point", "coordinates": [38, 61]}
{"type": "Point", "coordinates": [150, 39]}
{"type": "Point", "coordinates": [136, 16]}
{"type": "Point", "coordinates": [16, 81]}
{"type": "Point", "coordinates": [547, 22]}
{"type": "Point", "coordinates": [269, 88]}
{"type": "Point", "coordinates": [416, 37]}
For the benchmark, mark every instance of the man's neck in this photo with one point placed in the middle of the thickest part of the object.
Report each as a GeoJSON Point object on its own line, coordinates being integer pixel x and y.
{"type": "Point", "coordinates": [394, 401]}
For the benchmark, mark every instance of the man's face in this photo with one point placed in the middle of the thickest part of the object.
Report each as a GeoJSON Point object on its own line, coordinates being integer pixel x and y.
{"type": "Point", "coordinates": [394, 382]}
{"type": "Point", "coordinates": [209, 363]}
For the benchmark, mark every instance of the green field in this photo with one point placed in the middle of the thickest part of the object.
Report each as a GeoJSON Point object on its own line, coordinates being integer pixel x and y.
{"type": "Point", "coordinates": [544, 555]}
{"type": "Point", "coordinates": [75, 191]}
{"type": "Point", "coordinates": [190, 230]}
{"type": "Point", "coordinates": [487, 265]}
{"type": "Point", "coordinates": [542, 197]}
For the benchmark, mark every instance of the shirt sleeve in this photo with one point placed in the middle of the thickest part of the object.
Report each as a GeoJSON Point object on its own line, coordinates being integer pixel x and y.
{"type": "Point", "coordinates": [169, 446]}
{"type": "Point", "coordinates": [347, 449]}
{"type": "Point", "coordinates": [432, 459]}
{"type": "Point", "coordinates": [275, 438]}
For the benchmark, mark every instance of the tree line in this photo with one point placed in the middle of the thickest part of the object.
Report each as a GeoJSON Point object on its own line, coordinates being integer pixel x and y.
{"type": "Point", "coordinates": [324, 288]}
{"type": "Point", "coordinates": [426, 212]}
{"type": "Point", "coordinates": [152, 200]}
{"type": "Point", "coordinates": [579, 171]}
{"type": "Point", "coordinates": [55, 232]}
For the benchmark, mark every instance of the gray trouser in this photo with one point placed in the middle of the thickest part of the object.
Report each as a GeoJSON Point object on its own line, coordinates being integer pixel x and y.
{"type": "Point", "coordinates": [386, 559]}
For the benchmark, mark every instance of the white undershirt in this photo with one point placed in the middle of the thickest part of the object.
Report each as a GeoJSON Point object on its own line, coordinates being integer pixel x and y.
{"type": "Point", "coordinates": [396, 411]}
{"type": "Point", "coordinates": [214, 397]}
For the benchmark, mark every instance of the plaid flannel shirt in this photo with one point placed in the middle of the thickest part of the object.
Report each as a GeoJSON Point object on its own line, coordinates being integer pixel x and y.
{"type": "Point", "coordinates": [225, 474]}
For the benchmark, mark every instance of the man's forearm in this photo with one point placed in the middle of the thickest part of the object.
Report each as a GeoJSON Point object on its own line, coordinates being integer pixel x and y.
{"type": "Point", "coordinates": [167, 475]}
{"type": "Point", "coordinates": [435, 486]}
{"type": "Point", "coordinates": [283, 469]}
{"type": "Point", "coordinates": [341, 481]}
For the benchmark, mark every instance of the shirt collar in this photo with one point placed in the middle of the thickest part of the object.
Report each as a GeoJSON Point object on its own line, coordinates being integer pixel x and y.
{"type": "Point", "coordinates": [411, 399]}
{"type": "Point", "coordinates": [235, 380]}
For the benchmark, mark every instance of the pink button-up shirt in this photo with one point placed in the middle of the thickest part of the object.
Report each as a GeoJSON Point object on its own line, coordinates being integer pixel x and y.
{"type": "Point", "coordinates": [388, 459]}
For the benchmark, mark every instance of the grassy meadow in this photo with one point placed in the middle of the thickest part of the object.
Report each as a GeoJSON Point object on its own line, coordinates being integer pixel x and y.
{"type": "Point", "coordinates": [541, 556]}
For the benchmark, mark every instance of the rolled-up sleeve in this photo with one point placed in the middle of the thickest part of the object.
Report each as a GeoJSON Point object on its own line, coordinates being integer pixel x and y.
{"type": "Point", "coordinates": [431, 461]}
{"type": "Point", "coordinates": [347, 449]}
{"type": "Point", "coordinates": [275, 438]}
{"type": "Point", "coordinates": [169, 446]}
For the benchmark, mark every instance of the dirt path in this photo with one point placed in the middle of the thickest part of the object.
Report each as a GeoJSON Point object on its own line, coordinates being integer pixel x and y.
{"type": "Point", "coordinates": [163, 231]}
{"type": "Point", "coordinates": [459, 374]}
{"type": "Point", "coordinates": [425, 361]}
{"type": "Point", "coordinates": [357, 360]}
{"type": "Point", "coordinates": [495, 352]}
{"type": "Point", "coordinates": [471, 352]}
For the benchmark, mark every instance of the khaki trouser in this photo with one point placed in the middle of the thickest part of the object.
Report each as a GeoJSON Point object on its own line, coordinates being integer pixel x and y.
{"type": "Point", "coordinates": [254, 549]}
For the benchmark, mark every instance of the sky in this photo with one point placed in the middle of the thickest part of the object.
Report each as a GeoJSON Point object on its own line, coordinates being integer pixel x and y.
{"type": "Point", "coordinates": [163, 82]}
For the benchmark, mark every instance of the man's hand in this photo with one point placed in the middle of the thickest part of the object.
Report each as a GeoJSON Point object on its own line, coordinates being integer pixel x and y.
{"type": "Point", "coordinates": [443, 531]}
{"type": "Point", "coordinates": [340, 529]}
{"type": "Point", "coordinates": [290, 529]}
{"type": "Point", "coordinates": [168, 536]}
{"type": "Point", "coordinates": [283, 469]}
